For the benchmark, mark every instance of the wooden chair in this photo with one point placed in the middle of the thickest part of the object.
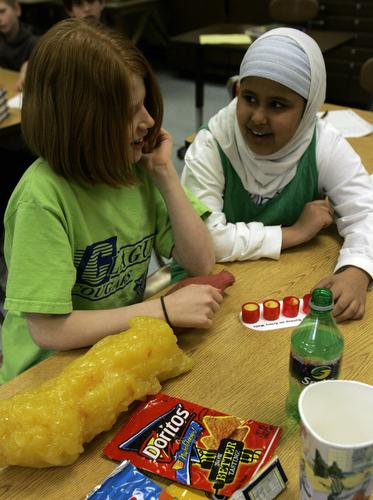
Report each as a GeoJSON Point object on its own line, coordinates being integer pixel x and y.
{"type": "Point", "coordinates": [133, 18]}
{"type": "Point", "coordinates": [293, 11]}
{"type": "Point", "coordinates": [366, 80]}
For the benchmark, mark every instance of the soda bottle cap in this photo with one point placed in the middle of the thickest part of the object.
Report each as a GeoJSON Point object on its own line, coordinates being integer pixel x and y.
{"type": "Point", "coordinates": [321, 300]}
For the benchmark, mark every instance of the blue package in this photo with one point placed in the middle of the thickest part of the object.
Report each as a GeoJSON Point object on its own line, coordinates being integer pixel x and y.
{"type": "Point", "coordinates": [125, 482]}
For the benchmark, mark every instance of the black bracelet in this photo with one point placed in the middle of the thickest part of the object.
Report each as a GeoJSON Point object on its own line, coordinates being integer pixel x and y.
{"type": "Point", "coordinates": [165, 312]}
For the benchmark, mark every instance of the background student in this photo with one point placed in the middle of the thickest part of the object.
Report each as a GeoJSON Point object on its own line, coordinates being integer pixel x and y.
{"type": "Point", "coordinates": [82, 222]}
{"type": "Point", "coordinates": [16, 39]}
{"type": "Point", "coordinates": [84, 9]}
{"type": "Point", "coordinates": [265, 164]}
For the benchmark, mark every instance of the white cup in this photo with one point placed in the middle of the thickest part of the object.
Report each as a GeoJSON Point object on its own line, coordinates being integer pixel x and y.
{"type": "Point", "coordinates": [337, 441]}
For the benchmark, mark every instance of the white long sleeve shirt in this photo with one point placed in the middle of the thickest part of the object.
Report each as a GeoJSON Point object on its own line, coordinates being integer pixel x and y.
{"type": "Point", "coordinates": [341, 177]}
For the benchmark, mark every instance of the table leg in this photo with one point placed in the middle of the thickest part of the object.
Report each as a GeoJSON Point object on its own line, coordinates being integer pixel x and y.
{"type": "Point", "coordinates": [140, 27]}
{"type": "Point", "coordinates": [199, 85]}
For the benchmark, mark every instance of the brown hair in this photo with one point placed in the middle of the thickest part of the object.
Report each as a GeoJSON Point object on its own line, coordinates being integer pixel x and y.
{"type": "Point", "coordinates": [77, 105]}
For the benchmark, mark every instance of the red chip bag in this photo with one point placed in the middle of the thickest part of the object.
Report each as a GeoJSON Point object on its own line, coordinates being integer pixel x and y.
{"type": "Point", "coordinates": [194, 445]}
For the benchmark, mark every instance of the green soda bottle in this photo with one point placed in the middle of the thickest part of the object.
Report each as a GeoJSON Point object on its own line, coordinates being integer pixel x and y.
{"type": "Point", "coordinates": [316, 349]}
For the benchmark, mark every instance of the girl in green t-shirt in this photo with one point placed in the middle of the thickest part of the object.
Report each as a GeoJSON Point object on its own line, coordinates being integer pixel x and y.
{"type": "Point", "coordinates": [82, 222]}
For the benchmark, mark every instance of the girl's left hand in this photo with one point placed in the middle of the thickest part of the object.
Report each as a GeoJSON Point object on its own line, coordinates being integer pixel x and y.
{"type": "Point", "coordinates": [158, 160]}
{"type": "Point", "coordinates": [349, 287]}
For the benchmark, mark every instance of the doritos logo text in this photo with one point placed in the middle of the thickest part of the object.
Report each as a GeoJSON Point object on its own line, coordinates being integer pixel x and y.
{"type": "Point", "coordinates": [155, 439]}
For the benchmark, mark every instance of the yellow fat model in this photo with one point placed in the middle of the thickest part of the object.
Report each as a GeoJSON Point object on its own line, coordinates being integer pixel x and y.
{"type": "Point", "coordinates": [48, 425]}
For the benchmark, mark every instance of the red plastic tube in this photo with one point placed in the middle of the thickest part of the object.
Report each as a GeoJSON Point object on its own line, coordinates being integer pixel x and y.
{"type": "Point", "coordinates": [271, 309]}
{"type": "Point", "coordinates": [250, 312]}
{"type": "Point", "coordinates": [306, 303]}
{"type": "Point", "coordinates": [290, 306]}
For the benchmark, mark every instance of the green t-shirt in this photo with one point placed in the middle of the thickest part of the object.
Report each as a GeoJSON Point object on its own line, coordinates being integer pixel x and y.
{"type": "Point", "coordinates": [75, 247]}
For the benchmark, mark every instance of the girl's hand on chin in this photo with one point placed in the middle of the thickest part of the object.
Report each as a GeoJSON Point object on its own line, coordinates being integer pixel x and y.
{"type": "Point", "coordinates": [160, 154]}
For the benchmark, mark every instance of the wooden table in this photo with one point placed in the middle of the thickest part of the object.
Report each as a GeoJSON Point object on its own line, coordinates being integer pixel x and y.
{"type": "Point", "coordinates": [8, 81]}
{"type": "Point", "coordinates": [326, 40]}
{"type": "Point", "coordinates": [237, 370]}
{"type": "Point", "coordinates": [362, 145]}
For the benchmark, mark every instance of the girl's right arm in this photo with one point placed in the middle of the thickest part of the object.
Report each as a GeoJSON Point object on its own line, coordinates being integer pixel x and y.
{"type": "Point", "coordinates": [191, 306]}
{"type": "Point", "coordinates": [193, 245]}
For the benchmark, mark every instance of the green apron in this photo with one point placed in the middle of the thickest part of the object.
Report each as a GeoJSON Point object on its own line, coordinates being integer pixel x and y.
{"type": "Point", "coordinates": [282, 210]}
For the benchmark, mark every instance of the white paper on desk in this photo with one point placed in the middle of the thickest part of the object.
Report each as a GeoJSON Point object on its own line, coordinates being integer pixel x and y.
{"type": "Point", "coordinates": [15, 102]}
{"type": "Point", "coordinates": [348, 123]}
{"type": "Point", "coordinates": [216, 39]}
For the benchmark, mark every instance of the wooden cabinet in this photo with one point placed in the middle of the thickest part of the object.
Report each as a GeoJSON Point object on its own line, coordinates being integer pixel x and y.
{"type": "Point", "coordinates": [250, 12]}
{"type": "Point", "coordinates": [182, 16]}
{"type": "Point", "coordinates": [343, 63]}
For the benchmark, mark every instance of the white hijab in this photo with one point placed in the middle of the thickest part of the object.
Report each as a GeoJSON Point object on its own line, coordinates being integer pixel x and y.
{"type": "Point", "coordinates": [266, 175]}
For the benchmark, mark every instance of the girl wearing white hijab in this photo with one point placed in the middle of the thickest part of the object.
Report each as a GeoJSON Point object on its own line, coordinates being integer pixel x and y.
{"type": "Point", "coordinates": [265, 163]}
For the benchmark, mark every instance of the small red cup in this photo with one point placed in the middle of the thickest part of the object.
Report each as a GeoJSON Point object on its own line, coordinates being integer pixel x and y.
{"type": "Point", "coordinates": [250, 312]}
{"type": "Point", "coordinates": [271, 309]}
{"type": "Point", "coordinates": [306, 303]}
{"type": "Point", "coordinates": [290, 306]}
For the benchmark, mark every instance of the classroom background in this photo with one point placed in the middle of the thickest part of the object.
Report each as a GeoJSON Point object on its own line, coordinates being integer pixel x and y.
{"type": "Point", "coordinates": [164, 29]}
{"type": "Point", "coordinates": [153, 25]}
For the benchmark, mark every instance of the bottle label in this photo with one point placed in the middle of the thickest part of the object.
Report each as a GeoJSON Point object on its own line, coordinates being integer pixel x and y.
{"type": "Point", "coordinates": [306, 372]}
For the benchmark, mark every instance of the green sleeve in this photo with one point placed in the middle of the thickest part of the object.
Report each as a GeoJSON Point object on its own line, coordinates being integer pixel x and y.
{"type": "Point", "coordinates": [202, 209]}
{"type": "Point", "coordinates": [38, 253]}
